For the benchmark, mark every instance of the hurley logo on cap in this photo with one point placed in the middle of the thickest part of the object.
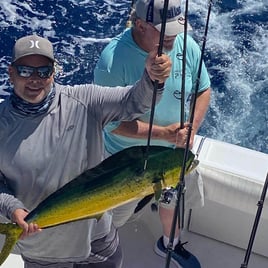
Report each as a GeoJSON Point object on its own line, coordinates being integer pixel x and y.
{"type": "Point", "coordinates": [34, 44]}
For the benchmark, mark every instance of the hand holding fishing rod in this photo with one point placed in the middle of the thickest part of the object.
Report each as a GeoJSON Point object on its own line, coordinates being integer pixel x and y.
{"type": "Point", "coordinates": [158, 67]}
{"type": "Point", "coordinates": [160, 48]}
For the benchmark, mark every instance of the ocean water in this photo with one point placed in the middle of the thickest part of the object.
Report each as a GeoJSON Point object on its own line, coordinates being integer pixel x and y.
{"type": "Point", "coordinates": [236, 53]}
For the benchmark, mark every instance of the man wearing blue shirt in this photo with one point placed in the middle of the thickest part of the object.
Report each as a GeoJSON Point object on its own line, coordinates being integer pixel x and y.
{"type": "Point", "coordinates": [121, 63]}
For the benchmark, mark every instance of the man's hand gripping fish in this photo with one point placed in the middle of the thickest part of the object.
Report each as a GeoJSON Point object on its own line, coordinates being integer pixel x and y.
{"type": "Point", "coordinates": [119, 179]}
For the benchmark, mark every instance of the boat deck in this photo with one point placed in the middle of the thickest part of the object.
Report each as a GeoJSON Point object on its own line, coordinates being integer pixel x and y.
{"type": "Point", "coordinates": [138, 239]}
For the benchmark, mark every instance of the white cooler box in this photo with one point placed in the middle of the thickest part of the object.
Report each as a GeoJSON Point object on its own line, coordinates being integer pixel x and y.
{"type": "Point", "coordinates": [233, 179]}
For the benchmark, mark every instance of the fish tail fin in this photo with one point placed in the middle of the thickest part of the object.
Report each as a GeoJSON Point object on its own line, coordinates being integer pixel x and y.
{"type": "Point", "coordinates": [12, 232]}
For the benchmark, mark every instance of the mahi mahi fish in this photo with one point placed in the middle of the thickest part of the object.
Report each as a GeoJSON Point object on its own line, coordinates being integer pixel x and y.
{"type": "Point", "coordinates": [117, 180]}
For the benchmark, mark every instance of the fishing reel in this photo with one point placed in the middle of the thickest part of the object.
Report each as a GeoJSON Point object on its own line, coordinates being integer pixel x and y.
{"type": "Point", "coordinates": [168, 198]}
{"type": "Point", "coordinates": [168, 195]}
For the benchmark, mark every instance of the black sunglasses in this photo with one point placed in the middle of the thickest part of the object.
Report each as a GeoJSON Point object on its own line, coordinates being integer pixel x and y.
{"type": "Point", "coordinates": [27, 71]}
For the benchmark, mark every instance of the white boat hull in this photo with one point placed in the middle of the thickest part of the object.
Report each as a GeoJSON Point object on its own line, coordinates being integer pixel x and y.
{"type": "Point", "coordinates": [233, 179]}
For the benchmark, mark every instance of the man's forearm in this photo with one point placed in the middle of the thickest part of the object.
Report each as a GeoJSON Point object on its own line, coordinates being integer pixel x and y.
{"type": "Point", "coordinates": [138, 129]}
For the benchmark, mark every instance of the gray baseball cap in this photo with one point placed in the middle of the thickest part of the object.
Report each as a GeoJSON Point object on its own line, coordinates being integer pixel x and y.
{"type": "Point", "coordinates": [32, 45]}
{"type": "Point", "coordinates": [151, 11]}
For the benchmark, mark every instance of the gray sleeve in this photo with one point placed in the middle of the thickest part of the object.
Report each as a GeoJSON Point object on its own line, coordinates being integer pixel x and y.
{"type": "Point", "coordinates": [8, 202]}
{"type": "Point", "coordinates": [126, 104]}
{"type": "Point", "coordinates": [105, 104]}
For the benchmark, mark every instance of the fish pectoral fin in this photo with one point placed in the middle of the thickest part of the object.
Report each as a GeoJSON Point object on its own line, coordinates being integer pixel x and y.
{"type": "Point", "coordinates": [142, 203]}
{"type": "Point", "coordinates": [12, 232]}
{"type": "Point", "coordinates": [98, 216]}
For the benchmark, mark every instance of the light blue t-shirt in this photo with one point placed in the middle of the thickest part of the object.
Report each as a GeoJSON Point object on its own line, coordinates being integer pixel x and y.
{"type": "Point", "coordinates": [122, 62]}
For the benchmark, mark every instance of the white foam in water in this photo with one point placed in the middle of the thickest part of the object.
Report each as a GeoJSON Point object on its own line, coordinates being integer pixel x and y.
{"type": "Point", "coordinates": [236, 54]}
{"type": "Point", "coordinates": [237, 117]}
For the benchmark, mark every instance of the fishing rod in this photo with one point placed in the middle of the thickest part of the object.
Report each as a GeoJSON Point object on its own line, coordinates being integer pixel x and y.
{"type": "Point", "coordinates": [181, 216]}
{"type": "Point", "coordinates": [156, 82]}
{"type": "Point", "coordinates": [129, 23]}
{"type": "Point", "coordinates": [159, 53]}
{"type": "Point", "coordinates": [255, 225]}
{"type": "Point", "coordinates": [147, 199]}
{"type": "Point", "coordinates": [184, 64]}
{"type": "Point", "coordinates": [181, 185]}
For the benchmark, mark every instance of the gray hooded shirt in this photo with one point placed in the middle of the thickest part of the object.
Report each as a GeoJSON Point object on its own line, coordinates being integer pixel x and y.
{"type": "Point", "coordinates": [41, 153]}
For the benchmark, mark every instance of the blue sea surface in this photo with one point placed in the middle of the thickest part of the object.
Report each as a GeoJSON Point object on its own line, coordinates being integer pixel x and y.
{"type": "Point", "coordinates": [236, 53]}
